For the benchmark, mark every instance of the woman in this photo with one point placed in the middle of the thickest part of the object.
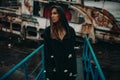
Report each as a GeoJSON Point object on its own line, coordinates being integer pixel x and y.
{"type": "Point", "coordinates": [59, 37]}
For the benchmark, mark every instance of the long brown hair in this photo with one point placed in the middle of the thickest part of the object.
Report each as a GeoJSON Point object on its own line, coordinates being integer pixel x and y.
{"type": "Point", "coordinates": [61, 26]}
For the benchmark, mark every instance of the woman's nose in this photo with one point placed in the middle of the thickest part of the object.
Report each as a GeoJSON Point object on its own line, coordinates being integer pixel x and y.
{"type": "Point", "coordinates": [52, 15]}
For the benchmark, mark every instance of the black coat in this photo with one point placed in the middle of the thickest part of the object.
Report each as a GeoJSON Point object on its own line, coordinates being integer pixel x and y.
{"type": "Point", "coordinates": [60, 59]}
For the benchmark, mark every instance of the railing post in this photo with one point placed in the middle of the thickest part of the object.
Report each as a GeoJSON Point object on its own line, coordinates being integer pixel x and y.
{"type": "Point", "coordinates": [43, 65]}
{"type": "Point", "coordinates": [26, 71]}
{"type": "Point", "coordinates": [89, 55]}
{"type": "Point", "coordinates": [96, 74]}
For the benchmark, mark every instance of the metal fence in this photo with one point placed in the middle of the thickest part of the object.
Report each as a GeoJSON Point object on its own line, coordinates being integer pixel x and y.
{"type": "Point", "coordinates": [91, 66]}
{"type": "Point", "coordinates": [34, 75]}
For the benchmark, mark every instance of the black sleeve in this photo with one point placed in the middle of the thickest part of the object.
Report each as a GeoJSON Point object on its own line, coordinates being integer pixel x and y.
{"type": "Point", "coordinates": [74, 69]}
{"type": "Point", "coordinates": [73, 35]}
{"type": "Point", "coordinates": [47, 49]}
{"type": "Point", "coordinates": [46, 31]}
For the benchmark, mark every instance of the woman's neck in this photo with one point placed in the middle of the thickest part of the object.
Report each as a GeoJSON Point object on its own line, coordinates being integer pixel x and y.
{"type": "Point", "coordinates": [58, 32]}
{"type": "Point", "coordinates": [61, 34]}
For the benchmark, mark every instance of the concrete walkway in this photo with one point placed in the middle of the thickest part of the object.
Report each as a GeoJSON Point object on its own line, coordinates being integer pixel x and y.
{"type": "Point", "coordinates": [80, 75]}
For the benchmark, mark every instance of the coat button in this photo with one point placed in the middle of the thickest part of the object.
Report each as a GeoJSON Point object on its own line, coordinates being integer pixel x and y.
{"type": "Point", "coordinates": [70, 56]}
{"type": "Point", "coordinates": [54, 70]}
{"type": "Point", "coordinates": [70, 74]}
{"type": "Point", "coordinates": [47, 79]}
{"type": "Point", "coordinates": [52, 56]}
{"type": "Point", "coordinates": [65, 70]}
{"type": "Point", "coordinates": [44, 71]}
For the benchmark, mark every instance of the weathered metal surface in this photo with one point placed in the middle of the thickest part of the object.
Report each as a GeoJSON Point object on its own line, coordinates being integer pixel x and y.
{"type": "Point", "coordinates": [103, 23]}
{"type": "Point", "coordinates": [97, 23]}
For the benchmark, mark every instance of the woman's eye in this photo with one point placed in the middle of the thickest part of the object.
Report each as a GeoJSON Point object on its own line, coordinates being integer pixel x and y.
{"type": "Point", "coordinates": [54, 12]}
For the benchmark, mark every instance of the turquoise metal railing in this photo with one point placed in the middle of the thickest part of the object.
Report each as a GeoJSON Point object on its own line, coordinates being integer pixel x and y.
{"type": "Point", "coordinates": [91, 66]}
{"type": "Point", "coordinates": [23, 63]}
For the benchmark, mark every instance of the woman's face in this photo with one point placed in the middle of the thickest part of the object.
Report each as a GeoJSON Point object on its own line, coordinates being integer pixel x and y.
{"type": "Point", "coordinates": [54, 15]}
